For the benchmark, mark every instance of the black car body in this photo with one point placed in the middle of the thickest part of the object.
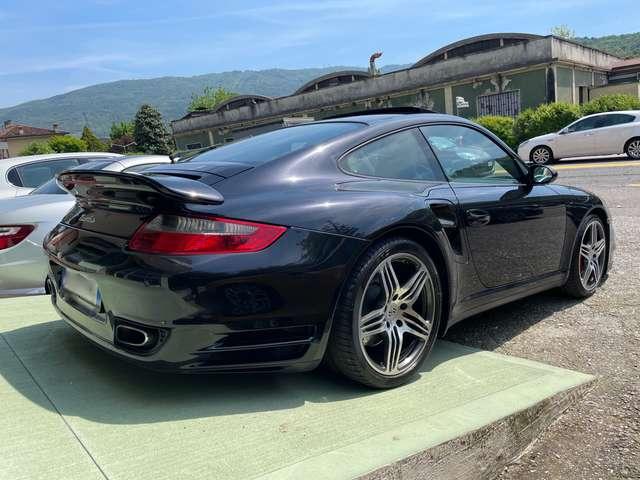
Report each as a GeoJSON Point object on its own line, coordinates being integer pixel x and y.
{"type": "Point", "coordinates": [492, 242]}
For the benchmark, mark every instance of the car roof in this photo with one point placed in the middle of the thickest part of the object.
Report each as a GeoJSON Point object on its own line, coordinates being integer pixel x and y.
{"type": "Point", "coordinates": [399, 118]}
{"type": "Point", "coordinates": [13, 161]}
{"type": "Point", "coordinates": [629, 112]}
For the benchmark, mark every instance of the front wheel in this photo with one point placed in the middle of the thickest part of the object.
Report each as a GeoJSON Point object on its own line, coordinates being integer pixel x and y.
{"type": "Point", "coordinates": [388, 317]}
{"type": "Point", "coordinates": [541, 155]}
{"type": "Point", "coordinates": [633, 149]}
{"type": "Point", "coordinates": [589, 259]}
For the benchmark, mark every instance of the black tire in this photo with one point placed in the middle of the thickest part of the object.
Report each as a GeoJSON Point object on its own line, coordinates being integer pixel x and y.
{"type": "Point", "coordinates": [574, 286]}
{"type": "Point", "coordinates": [344, 351]}
{"type": "Point", "coordinates": [541, 155]}
{"type": "Point", "coordinates": [632, 148]}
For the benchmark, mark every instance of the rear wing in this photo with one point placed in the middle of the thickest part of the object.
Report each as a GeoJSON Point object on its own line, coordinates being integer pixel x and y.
{"type": "Point", "coordinates": [105, 186]}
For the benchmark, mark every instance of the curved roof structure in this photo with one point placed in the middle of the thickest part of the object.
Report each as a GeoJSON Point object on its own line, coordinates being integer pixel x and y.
{"type": "Point", "coordinates": [240, 101]}
{"type": "Point", "coordinates": [480, 43]}
{"type": "Point", "coordinates": [332, 79]}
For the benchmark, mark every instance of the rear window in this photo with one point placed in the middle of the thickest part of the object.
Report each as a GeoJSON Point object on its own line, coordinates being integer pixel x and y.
{"type": "Point", "coordinates": [35, 174]}
{"type": "Point", "coordinates": [273, 145]}
{"type": "Point", "coordinates": [48, 188]}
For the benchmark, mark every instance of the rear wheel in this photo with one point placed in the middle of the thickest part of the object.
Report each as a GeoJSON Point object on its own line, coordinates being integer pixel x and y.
{"type": "Point", "coordinates": [633, 148]}
{"type": "Point", "coordinates": [541, 155]}
{"type": "Point", "coordinates": [589, 259]}
{"type": "Point", "coordinates": [387, 320]}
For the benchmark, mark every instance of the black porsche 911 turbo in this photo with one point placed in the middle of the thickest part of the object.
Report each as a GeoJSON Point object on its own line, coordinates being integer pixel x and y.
{"type": "Point", "coordinates": [356, 240]}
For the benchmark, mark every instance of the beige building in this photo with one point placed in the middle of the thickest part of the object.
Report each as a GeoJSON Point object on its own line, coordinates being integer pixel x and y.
{"type": "Point", "coordinates": [15, 137]}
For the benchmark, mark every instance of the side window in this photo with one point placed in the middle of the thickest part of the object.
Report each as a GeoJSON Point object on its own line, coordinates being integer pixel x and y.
{"type": "Point", "coordinates": [14, 178]}
{"type": "Point", "coordinates": [467, 155]}
{"type": "Point", "coordinates": [586, 124]}
{"type": "Point", "coordinates": [617, 119]}
{"type": "Point", "coordinates": [35, 174]}
{"type": "Point", "coordinates": [402, 155]}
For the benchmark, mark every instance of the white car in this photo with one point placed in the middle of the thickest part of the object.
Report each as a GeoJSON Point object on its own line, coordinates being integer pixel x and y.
{"type": "Point", "coordinates": [608, 133]}
{"type": "Point", "coordinates": [25, 220]}
{"type": "Point", "coordinates": [20, 175]}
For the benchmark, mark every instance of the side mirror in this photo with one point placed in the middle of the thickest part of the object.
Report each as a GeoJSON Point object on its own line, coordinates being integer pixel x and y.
{"type": "Point", "coordinates": [541, 174]}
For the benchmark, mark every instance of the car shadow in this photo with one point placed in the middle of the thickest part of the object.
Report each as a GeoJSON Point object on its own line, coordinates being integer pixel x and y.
{"type": "Point", "coordinates": [84, 381]}
{"type": "Point", "coordinates": [491, 329]}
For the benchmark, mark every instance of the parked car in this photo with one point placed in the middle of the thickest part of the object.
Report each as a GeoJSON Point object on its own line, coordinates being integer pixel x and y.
{"type": "Point", "coordinates": [357, 240]}
{"type": "Point", "coordinates": [20, 175]}
{"type": "Point", "coordinates": [608, 133]}
{"type": "Point", "coordinates": [25, 220]}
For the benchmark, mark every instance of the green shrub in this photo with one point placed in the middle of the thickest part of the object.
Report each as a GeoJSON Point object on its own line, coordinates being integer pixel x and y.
{"type": "Point", "coordinates": [611, 103]}
{"type": "Point", "coordinates": [37, 148]}
{"type": "Point", "coordinates": [501, 126]}
{"type": "Point", "coordinates": [546, 118]}
{"type": "Point", "coordinates": [67, 143]}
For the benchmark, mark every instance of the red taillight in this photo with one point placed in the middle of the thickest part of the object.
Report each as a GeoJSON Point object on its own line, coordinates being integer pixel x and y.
{"type": "Point", "coordinates": [11, 235]}
{"type": "Point", "coordinates": [181, 235]}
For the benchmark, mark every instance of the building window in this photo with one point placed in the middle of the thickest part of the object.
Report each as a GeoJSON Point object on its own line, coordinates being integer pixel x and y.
{"type": "Point", "coordinates": [506, 103]}
{"type": "Point", "coordinates": [194, 146]}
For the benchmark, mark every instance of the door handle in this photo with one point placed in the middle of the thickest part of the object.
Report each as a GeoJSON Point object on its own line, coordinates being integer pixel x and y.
{"type": "Point", "coordinates": [478, 218]}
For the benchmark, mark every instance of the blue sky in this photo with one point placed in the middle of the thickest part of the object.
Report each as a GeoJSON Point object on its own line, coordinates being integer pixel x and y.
{"type": "Point", "coordinates": [51, 47]}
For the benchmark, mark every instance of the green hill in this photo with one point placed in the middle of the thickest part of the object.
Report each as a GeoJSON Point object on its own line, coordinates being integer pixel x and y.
{"type": "Point", "coordinates": [626, 45]}
{"type": "Point", "coordinates": [106, 103]}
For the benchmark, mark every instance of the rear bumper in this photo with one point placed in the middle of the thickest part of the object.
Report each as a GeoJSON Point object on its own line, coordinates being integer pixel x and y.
{"type": "Point", "coordinates": [266, 311]}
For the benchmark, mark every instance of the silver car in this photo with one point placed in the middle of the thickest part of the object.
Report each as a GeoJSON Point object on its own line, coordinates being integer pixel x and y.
{"type": "Point", "coordinates": [25, 220]}
{"type": "Point", "coordinates": [20, 175]}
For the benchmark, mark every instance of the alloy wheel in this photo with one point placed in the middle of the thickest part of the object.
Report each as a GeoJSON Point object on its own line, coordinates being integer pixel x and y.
{"type": "Point", "coordinates": [633, 150]}
{"type": "Point", "coordinates": [592, 255]}
{"type": "Point", "coordinates": [396, 314]}
{"type": "Point", "coordinates": [541, 156]}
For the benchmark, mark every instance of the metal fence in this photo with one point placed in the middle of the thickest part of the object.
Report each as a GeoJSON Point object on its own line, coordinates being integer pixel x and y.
{"type": "Point", "coordinates": [505, 103]}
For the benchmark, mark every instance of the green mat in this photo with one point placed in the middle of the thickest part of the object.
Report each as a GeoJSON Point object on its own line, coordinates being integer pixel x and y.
{"type": "Point", "coordinates": [69, 410]}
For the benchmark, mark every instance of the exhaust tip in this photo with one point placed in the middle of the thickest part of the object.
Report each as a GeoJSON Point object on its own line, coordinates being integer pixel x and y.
{"type": "Point", "coordinates": [132, 336]}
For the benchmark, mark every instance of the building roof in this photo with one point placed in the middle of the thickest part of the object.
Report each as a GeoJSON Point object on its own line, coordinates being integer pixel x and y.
{"type": "Point", "coordinates": [629, 63]}
{"type": "Point", "coordinates": [17, 130]}
{"type": "Point", "coordinates": [332, 79]}
{"type": "Point", "coordinates": [475, 44]}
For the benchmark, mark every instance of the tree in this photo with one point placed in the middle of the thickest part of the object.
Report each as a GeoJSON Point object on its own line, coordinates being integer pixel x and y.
{"type": "Point", "coordinates": [121, 129]}
{"type": "Point", "coordinates": [67, 143]}
{"type": "Point", "coordinates": [209, 98]}
{"type": "Point", "coordinates": [37, 148]}
{"type": "Point", "coordinates": [93, 143]}
{"type": "Point", "coordinates": [149, 131]}
{"type": "Point", "coordinates": [563, 31]}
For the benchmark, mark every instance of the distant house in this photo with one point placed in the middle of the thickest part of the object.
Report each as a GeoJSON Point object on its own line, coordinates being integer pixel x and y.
{"type": "Point", "coordinates": [15, 137]}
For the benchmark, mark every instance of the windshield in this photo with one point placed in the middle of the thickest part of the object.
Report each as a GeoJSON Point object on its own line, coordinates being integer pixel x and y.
{"type": "Point", "coordinates": [273, 145]}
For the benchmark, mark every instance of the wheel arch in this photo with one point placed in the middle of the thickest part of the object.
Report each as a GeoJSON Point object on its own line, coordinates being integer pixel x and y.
{"type": "Point", "coordinates": [548, 147]}
{"type": "Point", "coordinates": [626, 144]}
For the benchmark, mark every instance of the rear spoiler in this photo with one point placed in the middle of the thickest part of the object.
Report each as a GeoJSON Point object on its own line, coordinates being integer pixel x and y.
{"type": "Point", "coordinates": [92, 183]}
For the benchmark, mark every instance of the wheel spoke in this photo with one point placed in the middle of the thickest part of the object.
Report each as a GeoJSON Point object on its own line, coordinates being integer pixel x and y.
{"type": "Point", "coordinates": [587, 272]}
{"type": "Point", "coordinates": [416, 325]}
{"type": "Point", "coordinates": [389, 279]}
{"type": "Point", "coordinates": [599, 247]}
{"type": "Point", "coordinates": [394, 349]}
{"type": "Point", "coordinates": [596, 271]}
{"type": "Point", "coordinates": [411, 291]}
{"type": "Point", "coordinates": [585, 251]}
{"type": "Point", "coordinates": [372, 317]}
{"type": "Point", "coordinates": [594, 234]}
